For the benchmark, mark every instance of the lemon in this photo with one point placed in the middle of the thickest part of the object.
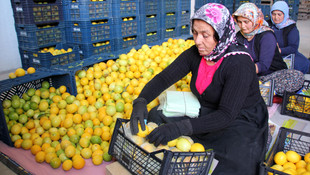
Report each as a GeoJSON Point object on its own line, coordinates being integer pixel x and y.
{"type": "Point", "coordinates": [183, 144]}
{"type": "Point", "coordinates": [197, 147]}
{"type": "Point", "coordinates": [293, 156]}
{"type": "Point", "coordinates": [143, 133]}
{"type": "Point", "coordinates": [31, 70]}
{"type": "Point", "coordinates": [287, 165]}
{"type": "Point", "coordinates": [307, 158]}
{"type": "Point", "coordinates": [12, 75]}
{"type": "Point", "coordinates": [280, 158]}
{"type": "Point", "coordinates": [20, 72]}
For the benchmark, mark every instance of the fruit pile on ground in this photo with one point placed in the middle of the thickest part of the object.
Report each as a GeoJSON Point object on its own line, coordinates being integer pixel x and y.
{"type": "Point", "coordinates": [63, 130]}
{"type": "Point", "coordinates": [291, 163]}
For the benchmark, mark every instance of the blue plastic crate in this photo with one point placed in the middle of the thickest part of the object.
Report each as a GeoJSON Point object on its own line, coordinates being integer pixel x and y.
{"type": "Point", "coordinates": [125, 8]}
{"type": "Point", "coordinates": [149, 7]}
{"type": "Point", "coordinates": [127, 42]}
{"type": "Point", "coordinates": [82, 32]}
{"type": "Point", "coordinates": [32, 36]}
{"type": "Point", "coordinates": [47, 60]}
{"type": "Point", "coordinates": [127, 26]}
{"type": "Point", "coordinates": [185, 30]}
{"type": "Point", "coordinates": [104, 48]}
{"type": "Point", "coordinates": [170, 20]}
{"type": "Point", "coordinates": [150, 23]}
{"type": "Point", "coordinates": [151, 37]}
{"type": "Point", "coordinates": [30, 12]}
{"type": "Point", "coordinates": [185, 5]}
{"type": "Point", "coordinates": [25, 56]}
{"type": "Point", "coordinates": [265, 10]}
{"type": "Point", "coordinates": [184, 17]}
{"type": "Point", "coordinates": [20, 85]}
{"type": "Point", "coordinates": [170, 33]}
{"type": "Point", "coordinates": [200, 3]}
{"type": "Point", "coordinates": [87, 10]}
{"type": "Point", "coordinates": [169, 6]}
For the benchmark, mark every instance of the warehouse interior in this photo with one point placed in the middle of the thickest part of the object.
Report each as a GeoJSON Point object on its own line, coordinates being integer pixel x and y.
{"type": "Point", "coordinates": [11, 59]}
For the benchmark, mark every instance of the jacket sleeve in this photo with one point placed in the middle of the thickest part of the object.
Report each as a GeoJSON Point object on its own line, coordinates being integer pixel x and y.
{"type": "Point", "coordinates": [293, 42]}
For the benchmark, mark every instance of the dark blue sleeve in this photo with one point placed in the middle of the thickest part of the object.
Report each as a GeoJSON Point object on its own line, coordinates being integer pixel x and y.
{"type": "Point", "coordinates": [293, 42]}
{"type": "Point", "coordinates": [268, 45]}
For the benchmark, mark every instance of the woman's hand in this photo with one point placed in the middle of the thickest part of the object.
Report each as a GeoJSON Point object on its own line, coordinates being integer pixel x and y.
{"type": "Point", "coordinates": [139, 113]}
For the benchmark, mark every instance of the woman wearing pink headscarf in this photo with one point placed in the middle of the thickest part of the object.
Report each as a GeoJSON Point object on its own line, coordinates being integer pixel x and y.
{"type": "Point", "coordinates": [233, 116]}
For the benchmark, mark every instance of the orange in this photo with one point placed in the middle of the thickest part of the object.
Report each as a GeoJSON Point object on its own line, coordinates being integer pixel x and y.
{"type": "Point", "coordinates": [71, 131]}
{"type": "Point", "coordinates": [97, 160]}
{"type": "Point", "coordinates": [64, 144]}
{"type": "Point", "coordinates": [18, 143]}
{"type": "Point", "coordinates": [77, 118]}
{"type": "Point", "coordinates": [40, 157]}
{"type": "Point", "coordinates": [97, 131]}
{"type": "Point", "coordinates": [84, 142]}
{"type": "Point", "coordinates": [78, 163]}
{"type": "Point", "coordinates": [106, 136]}
{"type": "Point", "coordinates": [107, 120]}
{"type": "Point", "coordinates": [31, 70]}
{"type": "Point", "coordinates": [52, 89]}
{"type": "Point", "coordinates": [55, 136]}
{"type": "Point", "coordinates": [55, 162]}
{"type": "Point", "coordinates": [62, 89]}
{"type": "Point", "coordinates": [49, 157]}
{"type": "Point", "coordinates": [86, 153]}
{"type": "Point", "coordinates": [89, 130]}
{"type": "Point", "coordinates": [35, 149]}
{"type": "Point", "coordinates": [86, 116]}
{"type": "Point", "coordinates": [67, 123]}
{"type": "Point", "coordinates": [20, 72]}
{"type": "Point", "coordinates": [45, 146]}
{"type": "Point", "coordinates": [27, 144]}
{"type": "Point", "coordinates": [110, 63]}
{"type": "Point", "coordinates": [56, 98]}
{"type": "Point", "coordinates": [71, 108]}
{"type": "Point", "coordinates": [91, 99]}
{"type": "Point", "coordinates": [70, 151]}
{"type": "Point", "coordinates": [67, 165]}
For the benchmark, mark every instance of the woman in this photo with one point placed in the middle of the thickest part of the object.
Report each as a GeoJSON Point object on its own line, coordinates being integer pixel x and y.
{"type": "Point", "coordinates": [233, 116]}
{"type": "Point", "coordinates": [259, 39]}
{"type": "Point", "coordinates": [262, 45]}
{"type": "Point", "coordinates": [287, 35]}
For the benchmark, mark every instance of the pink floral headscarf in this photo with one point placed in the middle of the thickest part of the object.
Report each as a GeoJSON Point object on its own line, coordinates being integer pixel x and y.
{"type": "Point", "coordinates": [255, 15]}
{"type": "Point", "coordinates": [218, 16]}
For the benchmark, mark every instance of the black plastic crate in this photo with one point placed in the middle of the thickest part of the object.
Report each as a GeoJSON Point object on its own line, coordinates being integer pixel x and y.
{"type": "Point", "coordinates": [32, 36]}
{"type": "Point", "coordinates": [20, 85]}
{"type": "Point", "coordinates": [267, 91]}
{"type": "Point", "coordinates": [139, 161]}
{"type": "Point", "coordinates": [287, 139]}
{"type": "Point", "coordinates": [37, 12]}
{"type": "Point", "coordinates": [297, 105]}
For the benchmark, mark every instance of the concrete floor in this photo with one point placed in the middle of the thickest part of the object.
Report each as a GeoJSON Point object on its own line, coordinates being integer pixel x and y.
{"type": "Point", "coordinates": [304, 48]}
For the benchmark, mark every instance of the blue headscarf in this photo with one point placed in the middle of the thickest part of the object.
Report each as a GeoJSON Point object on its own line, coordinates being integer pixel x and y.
{"type": "Point", "coordinates": [283, 7]}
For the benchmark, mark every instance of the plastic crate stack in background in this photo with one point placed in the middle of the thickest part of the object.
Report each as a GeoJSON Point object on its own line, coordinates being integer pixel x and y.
{"type": "Point", "coordinates": [126, 18]}
{"type": "Point", "coordinates": [184, 17]}
{"type": "Point", "coordinates": [293, 8]}
{"type": "Point", "coordinates": [150, 14]}
{"type": "Point", "coordinates": [169, 21]}
{"type": "Point", "coordinates": [39, 25]}
{"type": "Point", "coordinates": [89, 25]}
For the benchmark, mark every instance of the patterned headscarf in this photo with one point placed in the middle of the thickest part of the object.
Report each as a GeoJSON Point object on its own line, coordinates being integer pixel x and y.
{"type": "Point", "coordinates": [219, 18]}
{"type": "Point", "coordinates": [255, 15]}
{"type": "Point", "coordinates": [283, 7]}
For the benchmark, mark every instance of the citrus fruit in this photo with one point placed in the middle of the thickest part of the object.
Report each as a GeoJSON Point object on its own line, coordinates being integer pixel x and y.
{"type": "Point", "coordinates": [143, 133]}
{"type": "Point", "coordinates": [97, 159]}
{"type": "Point", "coordinates": [197, 147]}
{"type": "Point", "coordinates": [20, 72]}
{"type": "Point", "coordinates": [280, 158]}
{"type": "Point", "coordinates": [35, 149]}
{"type": "Point", "coordinates": [307, 157]}
{"type": "Point", "coordinates": [55, 162]}
{"type": "Point", "coordinates": [12, 75]}
{"type": "Point", "coordinates": [70, 151]}
{"type": "Point", "coordinates": [78, 163]}
{"type": "Point", "coordinates": [31, 70]}
{"type": "Point", "coordinates": [40, 157]}
{"type": "Point", "coordinates": [107, 157]}
{"type": "Point", "coordinates": [292, 156]}
{"type": "Point", "coordinates": [27, 144]}
{"type": "Point", "coordinates": [183, 144]}
{"type": "Point", "coordinates": [67, 165]}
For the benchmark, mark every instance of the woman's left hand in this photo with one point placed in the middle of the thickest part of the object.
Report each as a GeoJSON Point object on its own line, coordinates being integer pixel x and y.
{"type": "Point", "coordinates": [164, 133]}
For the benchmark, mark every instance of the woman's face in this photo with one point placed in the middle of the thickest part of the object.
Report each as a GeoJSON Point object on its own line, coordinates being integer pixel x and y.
{"type": "Point", "coordinates": [203, 34]}
{"type": "Point", "coordinates": [245, 25]}
{"type": "Point", "coordinates": [277, 16]}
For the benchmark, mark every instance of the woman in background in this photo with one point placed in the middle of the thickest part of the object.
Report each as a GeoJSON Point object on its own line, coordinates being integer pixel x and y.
{"type": "Point", "coordinates": [287, 35]}
{"type": "Point", "coordinates": [262, 45]}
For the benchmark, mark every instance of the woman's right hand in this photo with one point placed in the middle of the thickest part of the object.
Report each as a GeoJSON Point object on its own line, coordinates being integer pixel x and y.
{"type": "Point", "coordinates": [139, 113]}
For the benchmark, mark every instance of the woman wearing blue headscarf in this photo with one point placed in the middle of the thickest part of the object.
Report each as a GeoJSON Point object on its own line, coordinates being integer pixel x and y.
{"type": "Point", "coordinates": [287, 35]}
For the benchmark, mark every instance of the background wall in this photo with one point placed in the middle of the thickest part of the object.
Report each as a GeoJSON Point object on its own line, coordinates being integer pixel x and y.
{"type": "Point", "coordinates": [9, 54]}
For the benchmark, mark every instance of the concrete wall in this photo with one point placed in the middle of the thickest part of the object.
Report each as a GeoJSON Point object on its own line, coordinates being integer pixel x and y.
{"type": "Point", "coordinates": [9, 54]}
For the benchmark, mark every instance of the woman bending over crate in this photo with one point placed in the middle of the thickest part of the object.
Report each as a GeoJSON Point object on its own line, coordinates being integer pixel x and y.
{"type": "Point", "coordinates": [233, 117]}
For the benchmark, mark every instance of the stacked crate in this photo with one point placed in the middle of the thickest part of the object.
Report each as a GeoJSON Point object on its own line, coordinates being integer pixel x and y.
{"type": "Point", "coordinates": [126, 18]}
{"type": "Point", "coordinates": [293, 8]}
{"type": "Point", "coordinates": [40, 25]}
{"type": "Point", "coordinates": [89, 25]}
{"type": "Point", "coordinates": [304, 10]}
{"type": "Point", "coordinates": [170, 19]}
{"type": "Point", "coordinates": [150, 12]}
{"type": "Point", "coordinates": [184, 17]}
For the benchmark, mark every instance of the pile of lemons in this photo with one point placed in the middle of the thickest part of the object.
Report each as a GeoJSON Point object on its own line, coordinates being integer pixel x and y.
{"type": "Point", "coordinates": [291, 163]}
{"type": "Point", "coordinates": [19, 72]}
